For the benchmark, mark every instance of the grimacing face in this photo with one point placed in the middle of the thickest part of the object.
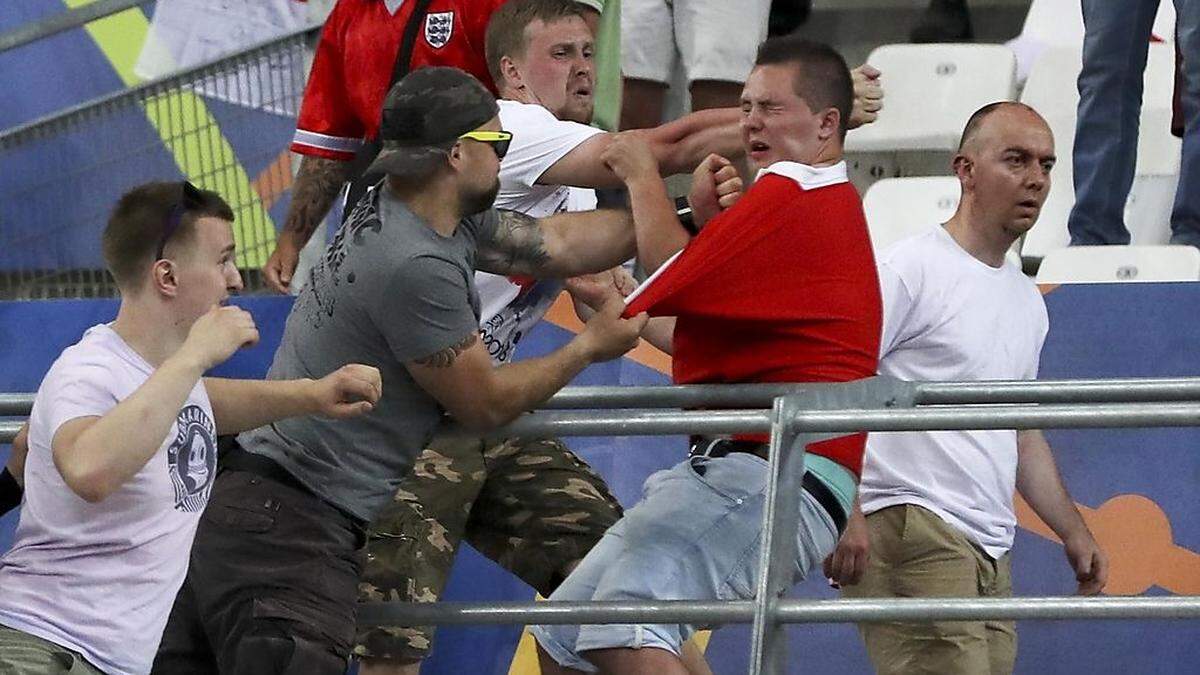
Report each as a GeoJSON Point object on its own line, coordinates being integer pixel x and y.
{"type": "Point", "coordinates": [1011, 157]}
{"type": "Point", "coordinates": [777, 125]}
{"type": "Point", "coordinates": [558, 67]}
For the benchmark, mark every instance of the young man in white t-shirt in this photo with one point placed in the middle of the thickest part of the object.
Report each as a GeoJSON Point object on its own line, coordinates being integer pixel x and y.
{"type": "Point", "coordinates": [122, 441]}
{"type": "Point", "coordinates": [939, 505]}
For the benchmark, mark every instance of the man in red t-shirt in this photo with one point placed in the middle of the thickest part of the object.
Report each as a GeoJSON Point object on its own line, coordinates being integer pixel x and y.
{"type": "Point", "coordinates": [351, 73]}
{"type": "Point", "coordinates": [781, 287]}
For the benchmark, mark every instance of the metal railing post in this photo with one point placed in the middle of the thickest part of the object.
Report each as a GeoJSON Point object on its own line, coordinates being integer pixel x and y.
{"type": "Point", "coordinates": [781, 517]}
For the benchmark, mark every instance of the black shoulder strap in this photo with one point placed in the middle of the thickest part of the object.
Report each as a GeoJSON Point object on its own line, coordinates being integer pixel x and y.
{"type": "Point", "coordinates": [409, 41]}
{"type": "Point", "coordinates": [370, 149]}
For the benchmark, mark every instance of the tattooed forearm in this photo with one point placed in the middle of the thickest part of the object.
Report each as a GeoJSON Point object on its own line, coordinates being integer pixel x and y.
{"type": "Point", "coordinates": [445, 358]}
{"type": "Point", "coordinates": [317, 185]}
{"type": "Point", "coordinates": [518, 247]}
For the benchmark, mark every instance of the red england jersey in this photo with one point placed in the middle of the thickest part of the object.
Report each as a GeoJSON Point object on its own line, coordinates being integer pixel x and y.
{"type": "Point", "coordinates": [355, 58]}
{"type": "Point", "coordinates": [782, 287]}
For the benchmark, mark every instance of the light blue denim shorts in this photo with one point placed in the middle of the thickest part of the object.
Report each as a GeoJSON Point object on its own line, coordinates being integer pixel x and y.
{"type": "Point", "coordinates": [695, 535]}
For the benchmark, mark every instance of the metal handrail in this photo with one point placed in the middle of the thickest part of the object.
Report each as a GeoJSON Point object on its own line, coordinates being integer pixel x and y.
{"type": "Point", "coordinates": [715, 422]}
{"type": "Point", "coordinates": [788, 611]}
{"type": "Point", "coordinates": [1123, 390]}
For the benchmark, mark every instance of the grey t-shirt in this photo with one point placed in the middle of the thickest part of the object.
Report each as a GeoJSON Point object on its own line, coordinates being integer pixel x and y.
{"type": "Point", "coordinates": [388, 290]}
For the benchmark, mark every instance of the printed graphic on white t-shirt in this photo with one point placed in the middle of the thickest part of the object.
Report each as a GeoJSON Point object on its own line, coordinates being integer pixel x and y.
{"type": "Point", "coordinates": [511, 306]}
{"type": "Point", "coordinates": [192, 459]}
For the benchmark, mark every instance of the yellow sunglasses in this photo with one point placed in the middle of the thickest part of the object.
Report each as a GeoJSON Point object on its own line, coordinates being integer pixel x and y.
{"type": "Point", "coordinates": [499, 140]}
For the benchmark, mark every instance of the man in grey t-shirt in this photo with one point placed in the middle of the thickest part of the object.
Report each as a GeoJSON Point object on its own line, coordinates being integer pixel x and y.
{"type": "Point", "coordinates": [273, 574]}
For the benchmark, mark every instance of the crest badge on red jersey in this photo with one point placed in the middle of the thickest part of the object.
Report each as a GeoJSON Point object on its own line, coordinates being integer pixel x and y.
{"type": "Point", "coordinates": [438, 28]}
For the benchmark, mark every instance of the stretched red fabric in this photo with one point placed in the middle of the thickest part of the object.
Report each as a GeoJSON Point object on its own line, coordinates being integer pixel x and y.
{"type": "Point", "coordinates": [782, 287]}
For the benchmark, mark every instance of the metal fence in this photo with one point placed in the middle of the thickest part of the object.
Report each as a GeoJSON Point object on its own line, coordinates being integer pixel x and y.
{"type": "Point", "coordinates": [225, 125]}
{"type": "Point", "coordinates": [801, 415]}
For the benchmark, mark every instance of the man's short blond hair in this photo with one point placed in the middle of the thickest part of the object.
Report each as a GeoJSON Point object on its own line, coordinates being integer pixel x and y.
{"type": "Point", "coordinates": [506, 29]}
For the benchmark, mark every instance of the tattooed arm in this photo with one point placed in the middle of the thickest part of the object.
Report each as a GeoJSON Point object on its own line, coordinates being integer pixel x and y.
{"type": "Point", "coordinates": [563, 245]}
{"type": "Point", "coordinates": [483, 396]}
{"type": "Point", "coordinates": [317, 185]}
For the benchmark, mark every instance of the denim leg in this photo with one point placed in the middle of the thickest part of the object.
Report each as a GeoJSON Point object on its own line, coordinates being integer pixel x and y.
{"type": "Point", "coordinates": [1115, 43]}
{"type": "Point", "coordinates": [1185, 218]}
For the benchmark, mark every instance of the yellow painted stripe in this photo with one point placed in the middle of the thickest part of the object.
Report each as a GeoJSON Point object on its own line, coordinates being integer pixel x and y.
{"type": "Point", "coordinates": [525, 659]}
{"type": "Point", "coordinates": [190, 132]}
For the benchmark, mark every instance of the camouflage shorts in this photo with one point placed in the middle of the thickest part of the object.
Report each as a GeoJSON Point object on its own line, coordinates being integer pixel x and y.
{"type": "Point", "coordinates": [531, 506]}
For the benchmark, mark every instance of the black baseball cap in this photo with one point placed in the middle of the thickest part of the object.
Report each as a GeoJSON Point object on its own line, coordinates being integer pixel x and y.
{"type": "Point", "coordinates": [425, 113]}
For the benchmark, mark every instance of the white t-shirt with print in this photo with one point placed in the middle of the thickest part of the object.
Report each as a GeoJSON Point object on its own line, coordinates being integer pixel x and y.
{"type": "Point", "coordinates": [511, 306]}
{"type": "Point", "coordinates": [949, 316]}
{"type": "Point", "coordinates": [101, 578]}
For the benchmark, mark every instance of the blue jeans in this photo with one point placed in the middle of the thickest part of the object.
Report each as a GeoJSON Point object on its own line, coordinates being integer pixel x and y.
{"type": "Point", "coordinates": [1117, 33]}
{"type": "Point", "coordinates": [695, 535]}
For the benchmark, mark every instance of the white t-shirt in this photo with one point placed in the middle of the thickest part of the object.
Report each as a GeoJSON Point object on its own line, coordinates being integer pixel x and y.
{"type": "Point", "coordinates": [511, 306]}
{"type": "Point", "coordinates": [949, 316]}
{"type": "Point", "coordinates": [101, 578]}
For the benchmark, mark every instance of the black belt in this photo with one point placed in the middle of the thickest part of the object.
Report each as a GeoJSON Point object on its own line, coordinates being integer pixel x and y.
{"type": "Point", "coordinates": [237, 459]}
{"type": "Point", "coordinates": [814, 486]}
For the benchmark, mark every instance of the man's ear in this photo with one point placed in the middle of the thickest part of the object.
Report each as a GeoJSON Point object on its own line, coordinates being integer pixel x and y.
{"type": "Point", "coordinates": [511, 73]}
{"type": "Point", "coordinates": [164, 279]}
{"type": "Point", "coordinates": [455, 156]}
{"type": "Point", "coordinates": [830, 127]}
{"type": "Point", "coordinates": [964, 168]}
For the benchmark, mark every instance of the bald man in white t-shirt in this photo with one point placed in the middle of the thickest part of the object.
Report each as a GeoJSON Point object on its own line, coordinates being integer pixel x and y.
{"type": "Point", "coordinates": [939, 518]}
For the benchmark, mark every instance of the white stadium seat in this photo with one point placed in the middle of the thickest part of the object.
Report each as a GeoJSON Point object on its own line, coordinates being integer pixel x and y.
{"type": "Point", "coordinates": [930, 92]}
{"type": "Point", "coordinates": [1052, 91]}
{"type": "Point", "coordinates": [1112, 264]}
{"type": "Point", "coordinates": [897, 208]}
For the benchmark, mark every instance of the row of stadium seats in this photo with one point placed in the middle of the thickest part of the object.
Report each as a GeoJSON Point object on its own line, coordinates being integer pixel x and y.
{"type": "Point", "coordinates": [933, 89]}
{"type": "Point", "coordinates": [899, 207]}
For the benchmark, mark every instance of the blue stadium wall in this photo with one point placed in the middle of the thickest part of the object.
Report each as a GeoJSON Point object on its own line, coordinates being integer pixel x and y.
{"type": "Point", "coordinates": [1137, 487]}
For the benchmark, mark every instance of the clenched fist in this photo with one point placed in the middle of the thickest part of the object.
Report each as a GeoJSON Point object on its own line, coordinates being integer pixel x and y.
{"type": "Point", "coordinates": [218, 334]}
{"type": "Point", "coordinates": [351, 390]}
{"type": "Point", "coordinates": [628, 156]}
{"type": "Point", "coordinates": [716, 186]}
{"type": "Point", "coordinates": [868, 96]}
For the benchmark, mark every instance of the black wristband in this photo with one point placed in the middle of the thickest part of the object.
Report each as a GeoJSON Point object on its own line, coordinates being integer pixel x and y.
{"type": "Point", "coordinates": [10, 492]}
{"type": "Point", "coordinates": [684, 211]}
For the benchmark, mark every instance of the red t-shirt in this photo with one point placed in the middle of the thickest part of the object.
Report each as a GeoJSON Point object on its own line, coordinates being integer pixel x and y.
{"type": "Point", "coordinates": [355, 58]}
{"type": "Point", "coordinates": [782, 287]}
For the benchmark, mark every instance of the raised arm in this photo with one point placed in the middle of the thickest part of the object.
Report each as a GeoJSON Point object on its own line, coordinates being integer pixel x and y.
{"type": "Point", "coordinates": [239, 405]}
{"type": "Point", "coordinates": [559, 246]}
{"type": "Point", "coordinates": [317, 185]}
{"type": "Point", "coordinates": [1040, 484]}
{"type": "Point", "coordinates": [677, 147]}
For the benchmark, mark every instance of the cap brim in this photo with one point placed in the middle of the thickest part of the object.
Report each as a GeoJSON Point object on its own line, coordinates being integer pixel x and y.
{"type": "Point", "coordinates": [404, 161]}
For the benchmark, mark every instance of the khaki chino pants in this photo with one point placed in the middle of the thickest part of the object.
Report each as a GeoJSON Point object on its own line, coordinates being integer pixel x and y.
{"type": "Point", "coordinates": [916, 554]}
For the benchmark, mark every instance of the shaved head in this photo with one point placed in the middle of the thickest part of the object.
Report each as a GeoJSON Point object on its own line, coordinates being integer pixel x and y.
{"type": "Point", "coordinates": [1003, 162]}
{"type": "Point", "coordinates": [976, 124]}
